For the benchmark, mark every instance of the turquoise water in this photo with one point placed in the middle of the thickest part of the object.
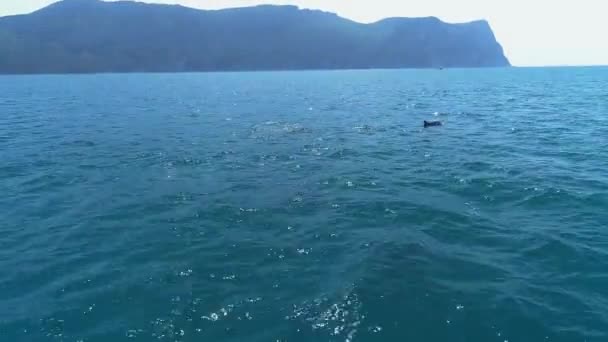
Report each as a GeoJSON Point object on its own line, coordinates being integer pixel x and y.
{"type": "Point", "coordinates": [305, 206]}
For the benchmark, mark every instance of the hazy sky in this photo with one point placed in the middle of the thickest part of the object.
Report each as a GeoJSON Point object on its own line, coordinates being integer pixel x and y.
{"type": "Point", "coordinates": [533, 32]}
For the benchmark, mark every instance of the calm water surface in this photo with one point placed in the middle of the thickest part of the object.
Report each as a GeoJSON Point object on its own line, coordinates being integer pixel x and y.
{"type": "Point", "coordinates": [305, 206]}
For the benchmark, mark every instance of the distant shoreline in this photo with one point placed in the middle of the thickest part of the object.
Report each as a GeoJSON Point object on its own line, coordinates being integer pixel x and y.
{"type": "Point", "coordinates": [252, 71]}
{"type": "Point", "coordinates": [297, 70]}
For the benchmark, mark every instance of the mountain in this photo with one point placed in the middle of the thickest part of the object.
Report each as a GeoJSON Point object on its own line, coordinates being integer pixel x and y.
{"type": "Point", "coordinates": [81, 36]}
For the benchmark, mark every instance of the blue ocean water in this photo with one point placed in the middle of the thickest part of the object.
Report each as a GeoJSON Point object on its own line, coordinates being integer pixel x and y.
{"type": "Point", "coordinates": [305, 206]}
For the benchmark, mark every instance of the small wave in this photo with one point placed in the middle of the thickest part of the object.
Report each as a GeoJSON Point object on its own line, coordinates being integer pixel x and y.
{"type": "Point", "coordinates": [275, 129]}
{"type": "Point", "coordinates": [80, 143]}
{"type": "Point", "coordinates": [340, 319]}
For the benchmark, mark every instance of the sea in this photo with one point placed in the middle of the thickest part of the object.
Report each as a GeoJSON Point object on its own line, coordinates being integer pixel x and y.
{"type": "Point", "coordinates": [305, 206]}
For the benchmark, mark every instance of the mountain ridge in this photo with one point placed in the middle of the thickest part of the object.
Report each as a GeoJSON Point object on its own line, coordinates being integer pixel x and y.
{"type": "Point", "coordinates": [82, 36]}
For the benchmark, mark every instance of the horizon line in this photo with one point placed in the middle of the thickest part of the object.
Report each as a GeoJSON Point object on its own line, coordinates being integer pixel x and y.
{"type": "Point", "coordinates": [294, 70]}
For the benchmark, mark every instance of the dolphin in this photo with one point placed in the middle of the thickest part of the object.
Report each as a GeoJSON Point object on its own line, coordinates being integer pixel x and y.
{"type": "Point", "coordinates": [432, 123]}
